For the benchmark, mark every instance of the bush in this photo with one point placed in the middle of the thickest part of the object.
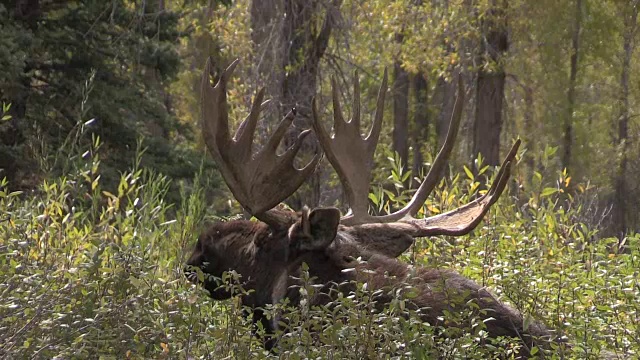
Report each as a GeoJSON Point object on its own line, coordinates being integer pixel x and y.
{"type": "Point", "coordinates": [85, 273]}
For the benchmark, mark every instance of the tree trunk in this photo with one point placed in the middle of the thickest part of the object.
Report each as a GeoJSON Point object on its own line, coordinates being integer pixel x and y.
{"type": "Point", "coordinates": [443, 99]}
{"type": "Point", "coordinates": [288, 48]}
{"type": "Point", "coordinates": [571, 92]}
{"type": "Point", "coordinates": [421, 132]}
{"type": "Point", "coordinates": [268, 47]}
{"type": "Point", "coordinates": [304, 47]}
{"type": "Point", "coordinates": [621, 205]}
{"type": "Point", "coordinates": [529, 130]}
{"type": "Point", "coordinates": [401, 113]}
{"type": "Point", "coordinates": [490, 87]}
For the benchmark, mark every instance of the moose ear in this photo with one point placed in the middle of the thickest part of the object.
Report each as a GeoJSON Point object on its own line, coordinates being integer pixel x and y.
{"type": "Point", "coordinates": [320, 228]}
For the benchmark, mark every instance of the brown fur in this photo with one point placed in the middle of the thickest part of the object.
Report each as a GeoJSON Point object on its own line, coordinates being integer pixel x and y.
{"type": "Point", "coordinates": [439, 290]}
{"type": "Point", "coordinates": [249, 248]}
{"type": "Point", "coordinates": [265, 260]}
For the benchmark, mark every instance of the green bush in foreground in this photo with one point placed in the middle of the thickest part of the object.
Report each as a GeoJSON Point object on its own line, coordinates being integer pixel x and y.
{"type": "Point", "coordinates": [85, 273]}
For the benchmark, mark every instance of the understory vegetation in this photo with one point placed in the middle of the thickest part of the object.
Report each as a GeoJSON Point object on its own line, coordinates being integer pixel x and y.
{"type": "Point", "coordinates": [86, 273]}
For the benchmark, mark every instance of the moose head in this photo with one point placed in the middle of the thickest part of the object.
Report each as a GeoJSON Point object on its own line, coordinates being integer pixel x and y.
{"type": "Point", "coordinates": [265, 253]}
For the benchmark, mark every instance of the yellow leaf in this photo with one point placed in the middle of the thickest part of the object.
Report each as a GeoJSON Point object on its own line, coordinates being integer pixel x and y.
{"type": "Point", "coordinates": [128, 354]}
{"type": "Point", "coordinates": [567, 181]}
{"type": "Point", "coordinates": [611, 256]}
{"type": "Point", "coordinates": [165, 348]}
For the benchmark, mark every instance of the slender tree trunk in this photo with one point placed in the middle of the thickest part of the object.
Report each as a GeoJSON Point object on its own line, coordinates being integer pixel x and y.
{"type": "Point", "coordinates": [421, 132]}
{"type": "Point", "coordinates": [622, 205]}
{"type": "Point", "coordinates": [268, 54]}
{"type": "Point", "coordinates": [488, 124]}
{"type": "Point", "coordinates": [571, 93]}
{"type": "Point", "coordinates": [264, 20]}
{"type": "Point", "coordinates": [401, 113]}
{"type": "Point", "coordinates": [444, 93]}
{"type": "Point", "coordinates": [529, 129]}
{"type": "Point", "coordinates": [443, 99]}
{"type": "Point", "coordinates": [490, 86]}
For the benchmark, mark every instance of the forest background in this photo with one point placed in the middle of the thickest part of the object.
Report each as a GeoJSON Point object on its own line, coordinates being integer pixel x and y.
{"type": "Point", "coordinates": [557, 74]}
{"type": "Point", "coordinates": [101, 113]}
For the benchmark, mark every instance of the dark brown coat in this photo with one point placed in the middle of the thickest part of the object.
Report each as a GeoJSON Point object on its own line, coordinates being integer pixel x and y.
{"type": "Point", "coordinates": [265, 258]}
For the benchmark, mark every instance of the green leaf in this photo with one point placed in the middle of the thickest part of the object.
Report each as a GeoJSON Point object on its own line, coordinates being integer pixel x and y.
{"type": "Point", "coordinates": [548, 191]}
{"type": "Point", "coordinates": [374, 199]}
{"type": "Point", "coordinates": [469, 173]}
{"type": "Point", "coordinates": [526, 322]}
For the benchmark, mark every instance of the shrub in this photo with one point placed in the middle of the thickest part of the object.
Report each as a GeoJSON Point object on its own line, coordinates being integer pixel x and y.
{"type": "Point", "coordinates": [85, 273]}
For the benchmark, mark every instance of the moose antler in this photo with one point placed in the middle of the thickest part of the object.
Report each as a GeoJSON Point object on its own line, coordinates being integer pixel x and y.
{"type": "Point", "coordinates": [350, 154]}
{"type": "Point", "coordinates": [259, 182]}
{"type": "Point", "coordinates": [352, 158]}
{"type": "Point", "coordinates": [459, 221]}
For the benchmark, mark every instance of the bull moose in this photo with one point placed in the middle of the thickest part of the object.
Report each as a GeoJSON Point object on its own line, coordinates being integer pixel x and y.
{"type": "Point", "coordinates": [268, 252]}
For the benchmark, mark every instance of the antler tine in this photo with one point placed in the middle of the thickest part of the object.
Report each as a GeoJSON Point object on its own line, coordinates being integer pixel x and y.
{"type": "Point", "coordinates": [258, 182]}
{"type": "Point", "coordinates": [245, 122]}
{"type": "Point", "coordinates": [338, 119]}
{"type": "Point", "coordinates": [432, 178]}
{"type": "Point", "coordinates": [462, 220]}
{"type": "Point", "coordinates": [246, 130]}
{"type": "Point", "coordinates": [355, 107]}
{"type": "Point", "coordinates": [277, 171]}
{"type": "Point", "coordinates": [278, 134]}
{"type": "Point", "coordinates": [215, 113]}
{"type": "Point", "coordinates": [350, 154]}
{"type": "Point", "coordinates": [435, 173]}
{"type": "Point", "coordinates": [374, 134]}
{"type": "Point", "coordinates": [352, 158]}
{"type": "Point", "coordinates": [459, 221]}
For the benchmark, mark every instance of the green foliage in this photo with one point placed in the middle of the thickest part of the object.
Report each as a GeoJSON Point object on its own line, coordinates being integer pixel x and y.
{"type": "Point", "coordinates": [5, 112]}
{"type": "Point", "coordinates": [88, 273]}
{"type": "Point", "coordinates": [116, 59]}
